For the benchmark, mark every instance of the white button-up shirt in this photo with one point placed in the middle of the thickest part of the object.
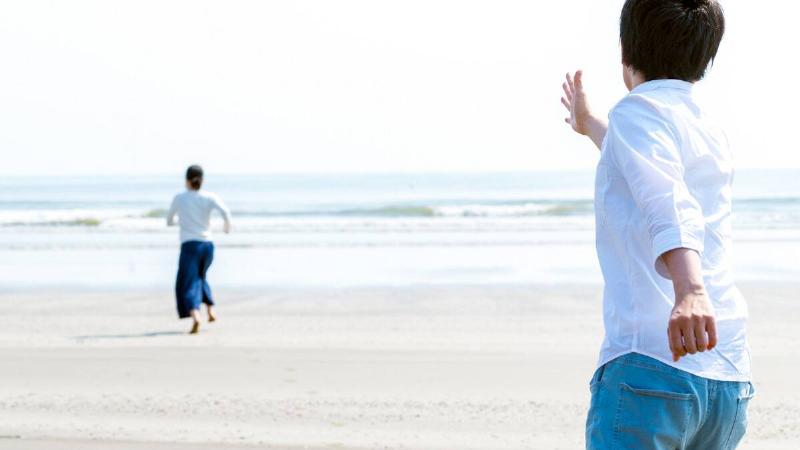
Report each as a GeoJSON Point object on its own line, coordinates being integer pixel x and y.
{"type": "Point", "coordinates": [664, 182]}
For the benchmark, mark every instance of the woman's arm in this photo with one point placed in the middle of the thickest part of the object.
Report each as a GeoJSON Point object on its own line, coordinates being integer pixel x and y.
{"type": "Point", "coordinates": [581, 118]}
{"type": "Point", "coordinates": [173, 210]}
{"type": "Point", "coordinates": [220, 206]}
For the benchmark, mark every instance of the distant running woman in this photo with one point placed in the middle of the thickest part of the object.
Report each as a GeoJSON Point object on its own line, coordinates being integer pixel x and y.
{"type": "Point", "coordinates": [193, 209]}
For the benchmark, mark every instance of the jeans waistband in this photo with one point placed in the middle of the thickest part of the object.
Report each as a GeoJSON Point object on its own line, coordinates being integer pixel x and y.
{"type": "Point", "coordinates": [647, 362]}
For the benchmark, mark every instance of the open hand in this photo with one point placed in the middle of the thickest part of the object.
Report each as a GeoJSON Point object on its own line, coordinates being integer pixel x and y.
{"type": "Point", "coordinates": [580, 117]}
{"type": "Point", "coordinates": [574, 100]}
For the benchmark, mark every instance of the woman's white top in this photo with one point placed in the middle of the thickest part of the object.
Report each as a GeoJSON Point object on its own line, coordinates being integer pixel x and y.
{"type": "Point", "coordinates": [664, 182]}
{"type": "Point", "coordinates": [193, 209]}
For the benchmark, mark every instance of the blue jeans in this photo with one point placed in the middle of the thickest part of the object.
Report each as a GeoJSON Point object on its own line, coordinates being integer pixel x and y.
{"type": "Point", "coordinates": [641, 403]}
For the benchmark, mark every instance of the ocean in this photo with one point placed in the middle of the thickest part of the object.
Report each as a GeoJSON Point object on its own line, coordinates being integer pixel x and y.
{"type": "Point", "coordinates": [352, 230]}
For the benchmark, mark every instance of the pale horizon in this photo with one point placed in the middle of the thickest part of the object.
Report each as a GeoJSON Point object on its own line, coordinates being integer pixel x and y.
{"type": "Point", "coordinates": [147, 88]}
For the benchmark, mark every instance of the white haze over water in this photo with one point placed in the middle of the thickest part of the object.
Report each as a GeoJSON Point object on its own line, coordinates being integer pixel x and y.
{"type": "Point", "coordinates": [344, 230]}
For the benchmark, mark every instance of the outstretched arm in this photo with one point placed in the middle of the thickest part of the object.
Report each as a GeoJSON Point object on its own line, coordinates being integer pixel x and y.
{"type": "Point", "coordinates": [581, 118]}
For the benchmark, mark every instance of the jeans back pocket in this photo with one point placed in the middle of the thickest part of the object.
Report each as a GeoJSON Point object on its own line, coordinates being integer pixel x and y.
{"type": "Point", "coordinates": [652, 419]}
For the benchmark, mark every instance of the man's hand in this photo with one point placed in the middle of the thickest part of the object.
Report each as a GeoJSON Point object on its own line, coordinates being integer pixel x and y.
{"type": "Point", "coordinates": [226, 227]}
{"type": "Point", "coordinates": [580, 117]}
{"type": "Point", "coordinates": [692, 327]}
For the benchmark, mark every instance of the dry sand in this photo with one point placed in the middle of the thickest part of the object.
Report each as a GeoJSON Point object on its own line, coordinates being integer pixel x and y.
{"type": "Point", "coordinates": [455, 367]}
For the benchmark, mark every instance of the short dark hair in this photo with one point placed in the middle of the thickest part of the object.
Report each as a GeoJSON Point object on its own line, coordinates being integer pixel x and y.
{"type": "Point", "coordinates": [194, 175]}
{"type": "Point", "coordinates": [675, 39]}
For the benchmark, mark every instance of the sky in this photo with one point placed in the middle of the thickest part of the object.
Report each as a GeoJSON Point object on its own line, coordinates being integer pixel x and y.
{"type": "Point", "coordinates": [148, 87]}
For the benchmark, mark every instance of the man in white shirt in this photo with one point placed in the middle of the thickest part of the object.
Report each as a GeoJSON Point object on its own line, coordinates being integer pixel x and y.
{"type": "Point", "coordinates": [193, 209]}
{"type": "Point", "coordinates": [674, 367]}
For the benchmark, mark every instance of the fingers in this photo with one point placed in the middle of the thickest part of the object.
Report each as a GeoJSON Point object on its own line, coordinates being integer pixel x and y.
{"type": "Point", "coordinates": [700, 336]}
{"type": "Point", "coordinates": [578, 82]}
{"type": "Point", "coordinates": [570, 83]}
{"type": "Point", "coordinates": [689, 342]}
{"type": "Point", "coordinates": [675, 341]}
{"type": "Point", "coordinates": [711, 329]}
{"type": "Point", "coordinates": [566, 104]}
{"type": "Point", "coordinates": [567, 91]}
{"type": "Point", "coordinates": [690, 336]}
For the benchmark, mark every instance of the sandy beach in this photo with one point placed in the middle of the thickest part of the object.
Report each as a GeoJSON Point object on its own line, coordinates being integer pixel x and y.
{"type": "Point", "coordinates": [447, 367]}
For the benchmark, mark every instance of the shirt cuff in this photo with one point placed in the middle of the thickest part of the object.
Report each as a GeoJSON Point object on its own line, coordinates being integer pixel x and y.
{"type": "Point", "coordinates": [672, 238]}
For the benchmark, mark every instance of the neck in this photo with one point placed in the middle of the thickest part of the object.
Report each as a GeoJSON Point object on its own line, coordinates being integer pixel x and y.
{"type": "Point", "coordinates": [636, 78]}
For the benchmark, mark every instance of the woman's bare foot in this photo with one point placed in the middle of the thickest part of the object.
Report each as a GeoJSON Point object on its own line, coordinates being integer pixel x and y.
{"type": "Point", "coordinates": [211, 316]}
{"type": "Point", "coordinates": [196, 318]}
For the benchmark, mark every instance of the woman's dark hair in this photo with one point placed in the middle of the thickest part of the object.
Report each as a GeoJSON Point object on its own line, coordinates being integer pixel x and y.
{"type": "Point", "coordinates": [675, 39]}
{"type": "Point", "coordinates": [194, 175]}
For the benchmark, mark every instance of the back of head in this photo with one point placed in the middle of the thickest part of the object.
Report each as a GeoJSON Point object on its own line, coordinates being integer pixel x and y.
{"type": "Point", "coordinates": [194, 176]}
{"type": "Point", "coordinates": [674, 39]}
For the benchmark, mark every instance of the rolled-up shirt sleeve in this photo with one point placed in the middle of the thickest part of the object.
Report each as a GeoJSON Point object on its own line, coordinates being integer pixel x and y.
{"type": "Point", "coordinates": [647, 153]}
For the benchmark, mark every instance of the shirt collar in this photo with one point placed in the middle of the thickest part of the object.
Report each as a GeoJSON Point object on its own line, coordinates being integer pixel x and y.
{"type": "Point", "coordinates": [663, 84]}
